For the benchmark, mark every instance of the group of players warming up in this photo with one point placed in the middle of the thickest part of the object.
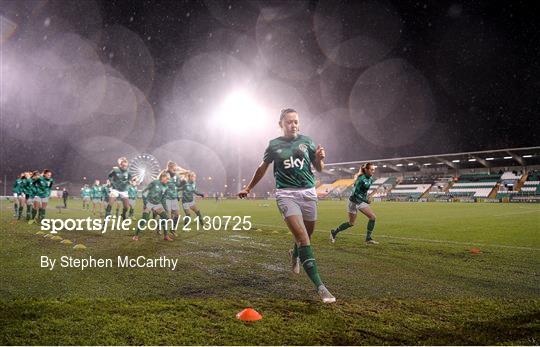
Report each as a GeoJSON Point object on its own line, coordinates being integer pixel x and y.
{"type": "Point", "coordinates": [32, 189]}
{"type": "Point", "coordinates": [292, 156]}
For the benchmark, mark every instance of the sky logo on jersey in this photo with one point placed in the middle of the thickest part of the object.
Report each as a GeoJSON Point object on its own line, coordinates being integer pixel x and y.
{"type": "Point", "coordinates": [292, 163]}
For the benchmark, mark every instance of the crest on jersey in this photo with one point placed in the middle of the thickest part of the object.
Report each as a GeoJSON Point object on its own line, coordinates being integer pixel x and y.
{"type": "Point", "coordinates": [302, 147]}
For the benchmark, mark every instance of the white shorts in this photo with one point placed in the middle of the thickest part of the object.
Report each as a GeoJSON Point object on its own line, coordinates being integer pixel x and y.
{"type": "Point", "coordinates": [354, 207]}
{"type": "Point", "coordinates": [86, 198]}
{"type": "Point", "coordinates": [297, 202]}
{"type": "Point", "coordinates": [96, 201]}
{"type": "Point", "coordinates": [41, 200]}
{"type": "Point", "coordinates": [131, 202]}
{"type": "Point", "coordinates": [187, 205]}
{"type": "Point", "coordinates": [118, 194]}
{"type": "Point", "coordinates": [172, 204]}
{"type": "Point", "coordinates": [151, 206]}
{"type": "Point", "coordinates": [29, 201]}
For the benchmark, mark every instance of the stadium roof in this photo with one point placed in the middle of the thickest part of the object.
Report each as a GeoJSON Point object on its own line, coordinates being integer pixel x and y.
{"type": "Point", "coordinates": [507, 157]}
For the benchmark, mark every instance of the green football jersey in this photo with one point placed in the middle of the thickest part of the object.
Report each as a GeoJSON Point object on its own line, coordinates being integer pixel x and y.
{"type": "Point", "coordinates": [120, 179]}
{"type": "Point", "coordinates": [17, 186]}
{"type": "Point", "coordinates": [105, 191]}
{"type": "Point", "coordinates": [43, 187]}
{"type": "Point", "coordinates": [292, 161]}
{"type": "Point", "coordinates": [361, 187]}
{"type": "Point", "coordinates": [86, 192]}
{"type": "Point", "coordinates": [96, 192]}
{"type": "Point", "coordinates": [132, 192]}
{"type": "Point", "coordinates": [155, 192]}
{"type": "Point", "coordinates": [188, 189]}
{"type": "Point", "coordinates": [173, 186]}
{"type": "Point", "coordinates": [28, 187]}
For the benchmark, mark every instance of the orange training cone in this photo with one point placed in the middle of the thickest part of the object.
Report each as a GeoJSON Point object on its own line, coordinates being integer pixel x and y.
{"type": "Point", "coordinates": [475, 250]}
{"type": "Point", "coordinates": [248, 315]}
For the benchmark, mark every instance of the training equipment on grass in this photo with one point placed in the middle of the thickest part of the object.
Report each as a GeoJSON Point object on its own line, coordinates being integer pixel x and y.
{"type": "Point", "coordinates": [79, 246]}
{"type": "Point", "coordinates": [249, 315]}
{"type": "Point", "coordinates": [475, 250]}
{"type": "Point", "coordinates": [66, 242]}
{"type": "Point", "coordinates": [47, 235]}
{"type": "Point", "coordinates": [56, 238]}
{"type": "Point", "coordinates": [40, 233]}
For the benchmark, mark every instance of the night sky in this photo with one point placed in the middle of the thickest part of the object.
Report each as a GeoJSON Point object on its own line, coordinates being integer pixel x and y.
{"type": "Point", "coordinates": [370, 79]}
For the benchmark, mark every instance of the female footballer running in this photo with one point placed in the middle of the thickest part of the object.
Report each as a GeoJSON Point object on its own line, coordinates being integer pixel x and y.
{"type": "Point", "coordinates": [359, 201]}
{"type": "Point", "coordinates": [154, 196]}
{"type": "Point", "coordinates": [296, 198]}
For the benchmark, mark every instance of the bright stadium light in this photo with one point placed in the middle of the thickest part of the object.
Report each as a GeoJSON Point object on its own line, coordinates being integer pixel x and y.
{"type": "Point", "coordinates": [399, 164]}
{"type": "Point", "coordinates": [507, 157]}
{"type": "Point", "coordinates": [410, 164]}
{"type": "Point", "coordinates": [240, 112]}
{"type": "Point", "coordinates": [384, 165]}
{"type": "Point", "coordinates": [472, 159]}
{"type": "Point", "coordinates": [490, 158]}
{"type": "Point", "coordinates": [527, 156]}
{"type": "Point", "coordinates": [455, 161]}
{"type": "Point", "coordinates": [352, 168]}
{"type": "Point", "coordinates": [427, 164]}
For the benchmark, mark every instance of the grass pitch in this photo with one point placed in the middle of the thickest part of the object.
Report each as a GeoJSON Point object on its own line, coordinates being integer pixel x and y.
{"type": "Point", "coordinates": [421, 285]}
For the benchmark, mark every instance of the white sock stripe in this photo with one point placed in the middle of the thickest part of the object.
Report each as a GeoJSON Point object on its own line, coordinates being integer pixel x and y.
{"type": "Point", "coordinates": [307, 260]}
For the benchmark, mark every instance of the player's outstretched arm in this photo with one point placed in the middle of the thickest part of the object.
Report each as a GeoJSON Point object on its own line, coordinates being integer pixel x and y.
{"type": "Point", "coordinates": [259, 173]}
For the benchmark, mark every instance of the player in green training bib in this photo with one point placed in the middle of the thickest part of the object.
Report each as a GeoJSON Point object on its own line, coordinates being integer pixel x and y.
{"type": "Point", "coordinates": [154, 201]}
{"type": "Point", "coordinates": [174, 186]}
{"type": "Point", "coordinates": [359, 201]}
{"type": "Point", "coordinates": [18, 196]}
{"type": "Point", "coordinates": [86, 196]}
{"type": "Point", "coordinates": [96, 194]}
{"type": "Point", "coordinates": [189, 189]}
{"type": "Point", "coordinates": [120, 179]}
{"type": "Point", "coordinates": [42, 187]}
{"type": "Point", "coordinates": [292, 155]}
{"type": "Point", "coordinates": [27, 188]}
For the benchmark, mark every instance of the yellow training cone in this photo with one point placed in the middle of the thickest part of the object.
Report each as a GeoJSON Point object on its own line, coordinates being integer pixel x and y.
{"type": "Point", "coordinates": [66, 242]}
{"type": "Point", "coordinates": [79, 246]}
{"type": "Point", "coordinates": [40, 233]}
{"type": "Point", "coordinates": [56, 238]}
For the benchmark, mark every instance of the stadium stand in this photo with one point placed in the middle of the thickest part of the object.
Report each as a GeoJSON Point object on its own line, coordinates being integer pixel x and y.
{"type": "Point", "coordinates": [474, 185]}
{"type": "Point", "coordinates": [408, 191]}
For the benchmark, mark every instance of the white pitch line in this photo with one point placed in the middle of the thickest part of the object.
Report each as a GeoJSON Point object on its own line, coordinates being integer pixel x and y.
{"type": "Point", "coordinates": [430, 240]}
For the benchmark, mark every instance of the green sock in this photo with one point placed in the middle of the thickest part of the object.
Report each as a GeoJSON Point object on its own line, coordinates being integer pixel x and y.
{"type": "Point", "coordinates": [124, 211]}
{"type": "Point", "coordinates": [370, 227]}
{"type": "Point", "coordinates": [108, 210]}
{"type": "Point", "coordinates": [310, 266]}
{"type": "Point", "coordinates": [342, 227]}
{"type": "Point", "coordinates": [198, 213]}
{"type": "Point", "coordinates": [145, 216]}
{"type": "Point", "coordinates": [116, 213]}
{"type": "Point", "coordinates": [34, 212]}
{"type": "Point", "coordinates": [20, 212]}
{"type": "Point", "coordinates": [131, 212]}
{"type": "Point", "coordinates": [41, 213]}
{"type": "Point", "coordinates": [15, 209]}
{"type": "Point", "coordinates": [163, 215]}
{"type": "Point", "coordinates": [295, 251]}
{"type": "Point", "coordinates": [28, 212]}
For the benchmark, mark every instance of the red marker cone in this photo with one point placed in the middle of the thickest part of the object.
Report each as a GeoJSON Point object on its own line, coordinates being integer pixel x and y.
{"type": "Point", "coordinates": [475, 250]}
{"type": "Point", "coordinates": [248, 315]}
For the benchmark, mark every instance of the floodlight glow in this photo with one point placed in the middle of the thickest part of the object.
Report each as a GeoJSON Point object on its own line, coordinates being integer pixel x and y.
{"type": "Point", "coordinates": [410, 164]}
{"type": "Point", "coordinates": [427, 164]}
{"type": "Point", "coordinates": [352, 168]}
{"type": "Point", "coordinates": [472, 159]}
{"type": "Point", "coordinates": [455, 161]}
{"type": "Point", "coordinates": [240, 112]}
{"type": "Point", "coordinates": [527, 156]}
{"type": "Point", "coordinates": [507, 157]}
{"type": "Point", "coordinates": [399, 164]}
{"type": "Point", "coordinates": [490, 158]}
{"type": "Point", "coordinates": [384, 165]}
